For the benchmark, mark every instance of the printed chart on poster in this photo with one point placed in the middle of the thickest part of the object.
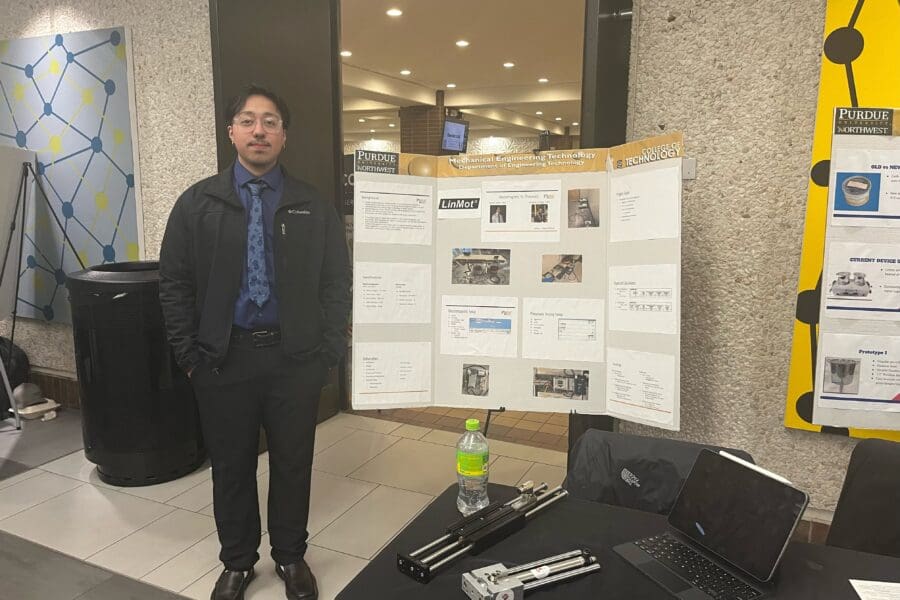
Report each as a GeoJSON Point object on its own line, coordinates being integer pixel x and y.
{"type": "Point", "coordinates": [858, 359]}
{"type": "Point", "coordinates": [510, 281]}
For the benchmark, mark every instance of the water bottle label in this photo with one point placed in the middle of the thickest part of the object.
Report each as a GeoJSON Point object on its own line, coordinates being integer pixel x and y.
{"type": "Point", "coordinates": [471, 465]}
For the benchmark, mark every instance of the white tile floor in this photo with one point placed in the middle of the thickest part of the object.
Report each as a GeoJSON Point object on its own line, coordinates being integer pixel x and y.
{"type": "Point", "coordinates": [165, 534]}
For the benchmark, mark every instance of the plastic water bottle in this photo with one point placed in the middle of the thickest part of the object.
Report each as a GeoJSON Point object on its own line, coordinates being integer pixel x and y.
{"type": "Point", "coordinates": [472, 469]}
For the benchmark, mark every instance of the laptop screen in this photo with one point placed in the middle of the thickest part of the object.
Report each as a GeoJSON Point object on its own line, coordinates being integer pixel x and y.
{"type": "Point", "coordinates": [737, 513]}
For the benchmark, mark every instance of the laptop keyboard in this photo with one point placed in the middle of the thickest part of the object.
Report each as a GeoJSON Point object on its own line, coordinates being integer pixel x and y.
{"type": "Point", "coordinates": [696, 568]}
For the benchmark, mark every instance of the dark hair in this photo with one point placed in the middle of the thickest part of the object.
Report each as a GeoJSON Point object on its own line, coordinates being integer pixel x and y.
{"type": "Point", "coordinates": [237, 103]}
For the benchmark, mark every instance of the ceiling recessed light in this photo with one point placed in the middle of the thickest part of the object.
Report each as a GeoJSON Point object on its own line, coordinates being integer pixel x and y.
{"type": "Point", "coordinates": [361, 120]}
{"type": "Point", "coordinates": [509, 65]}
{"type": "Point", "coordinates": [391, 125]}
{"type": "Point", "coordinates": [394, 12]}
{"type": "Point", "coordinates": [543, 80]}
{"type": "Point", "coordinates": [574, 123]}
{"type": "Point", "coordinates": [558, 119]}
{"type": "Point", "coordinates": [371, 131]}
{"type": "Point", "coordinates": [462, 43]}
{"type": "Point", "coordinates": [538, 112]}
{"type": "Point", "coordinates": [346, 53]}
{"type": "Point", "coordinates": [451, 85]}
{"type": "Point", "coordinates": [406, 72]}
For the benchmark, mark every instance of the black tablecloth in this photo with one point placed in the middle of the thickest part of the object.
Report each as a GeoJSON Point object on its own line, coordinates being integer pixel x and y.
{"type": "Point", "coordinates": [807, 572]}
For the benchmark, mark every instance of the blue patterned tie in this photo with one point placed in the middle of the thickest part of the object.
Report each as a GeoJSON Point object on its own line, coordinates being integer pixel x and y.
{"type": "Point", "coordinates": [257, 279]}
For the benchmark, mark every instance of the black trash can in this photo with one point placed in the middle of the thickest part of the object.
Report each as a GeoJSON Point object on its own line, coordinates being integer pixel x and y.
{"type": "Point", "coordinates": [139, 414]}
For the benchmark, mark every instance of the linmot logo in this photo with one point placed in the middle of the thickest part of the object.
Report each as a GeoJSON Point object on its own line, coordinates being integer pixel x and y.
{"type": "Point", "coordinates": [630, 478]}
{"type": "Point", "coordinates": [458, 203]}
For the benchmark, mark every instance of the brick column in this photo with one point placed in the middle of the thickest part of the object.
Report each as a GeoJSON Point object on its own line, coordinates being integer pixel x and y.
{"type": "Point", "coordinates": [421, 127]}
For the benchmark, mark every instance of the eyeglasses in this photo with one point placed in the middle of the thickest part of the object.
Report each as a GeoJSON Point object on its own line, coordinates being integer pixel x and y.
{"type": "Point", "coordinates": [247, 121]}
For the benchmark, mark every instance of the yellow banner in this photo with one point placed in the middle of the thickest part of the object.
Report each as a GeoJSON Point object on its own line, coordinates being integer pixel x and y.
{"type": "Point", "coordinates": [648, 150]}
{"type": "Point", "coordinates": [532, 163]}
{"type": "Point", "coordinates": [859, 68]}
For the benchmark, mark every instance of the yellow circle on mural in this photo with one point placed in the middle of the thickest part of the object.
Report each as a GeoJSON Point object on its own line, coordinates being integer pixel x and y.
{"type": "Point", "coordinates": [118, 136]}
{"type": "Point", "coordinates": [54, 67]}
{"type": "Point", "coordinates": [120, 51]}
{"type": "Point", "coordinates": [55, 144]}
{"type": "Point", "coordinates": [83, 255]}
{"type": "Point", "coordinates": [87, 97]}
{"type": "Point", "coordinates": [421, 166]}
{"type": "Point", "coordinates": [132, 251]}
{"type": "Point", "coordinates": [19, 92]}
{"type": "Point", "coordinates": [101, 200]}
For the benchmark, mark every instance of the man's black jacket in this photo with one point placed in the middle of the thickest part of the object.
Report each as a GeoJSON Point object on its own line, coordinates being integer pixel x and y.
{"type": "Point", "coordinates": [202, 255]}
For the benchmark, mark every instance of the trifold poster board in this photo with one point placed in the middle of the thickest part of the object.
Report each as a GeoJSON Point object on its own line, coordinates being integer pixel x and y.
{"type": "Point", "coordinates": [542, 282]}
{"type": "Point", "coordinates": [858, 357]}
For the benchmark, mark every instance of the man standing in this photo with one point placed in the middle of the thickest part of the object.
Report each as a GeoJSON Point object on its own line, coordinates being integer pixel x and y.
{"type": "Point", "coordinates": [255, 291]}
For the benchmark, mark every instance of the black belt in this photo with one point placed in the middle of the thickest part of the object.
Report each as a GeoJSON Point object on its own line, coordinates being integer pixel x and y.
{"type": "Point", "coordinates": [257, 338]}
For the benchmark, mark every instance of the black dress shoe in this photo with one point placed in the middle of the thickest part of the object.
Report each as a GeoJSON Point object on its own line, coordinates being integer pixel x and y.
{"type": "Point", "coordinates": [231, 585]}
{"type": "Point", "coordinates": [299, 582]}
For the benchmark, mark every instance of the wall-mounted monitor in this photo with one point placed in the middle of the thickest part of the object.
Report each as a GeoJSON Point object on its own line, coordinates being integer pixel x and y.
{"type": "Point", "coordinates": [455, 136]}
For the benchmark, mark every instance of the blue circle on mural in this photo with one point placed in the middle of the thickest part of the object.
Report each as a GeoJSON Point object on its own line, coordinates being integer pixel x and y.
{"type": "Point", "coordinates": [96, 144]}
{"type": "Point", "coordinates": [48, 109]}
{"type": "Point", "coordinates": [129, 180]}
{"type": "Point", "coordinates": [48, 312]}
{"type": "Point", "coordinates": [857, 191]}
{"type": "Point", "coordinates": [110, 87]}
{"type": "Point", "coordinates": [70, 57]}
{"type": "Point", "coordinates": [68, 210]}
{"type": "Point", "coordinates": [114, 38]}
{"type": "Point", "coordinates": [60, 276]}
{"type": "Point", "coordinates": [109, 253]}
{"type": "Point", "coordinates": [29, 71]}
{"type": "Point", "coordinates": [21, 139]}
{"type": "Point", "coordinates": [41, 167]}
{"type": "Point", "coordinates": [31, 261]}
{"type": "Point", "coordinates": [58, 39]}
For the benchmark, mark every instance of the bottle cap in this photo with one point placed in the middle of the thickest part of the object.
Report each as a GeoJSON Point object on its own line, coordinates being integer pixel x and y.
{"type": "Point", "coordinates": [473, 425]}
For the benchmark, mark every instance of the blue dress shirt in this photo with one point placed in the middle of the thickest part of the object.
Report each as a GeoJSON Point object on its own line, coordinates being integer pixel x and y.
{"type": "Point", "coordinates": [246, 313]}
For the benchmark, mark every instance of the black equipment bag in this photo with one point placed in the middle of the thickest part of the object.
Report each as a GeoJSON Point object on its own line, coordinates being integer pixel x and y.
{"type": "Point", "coordinates": [638, 472]}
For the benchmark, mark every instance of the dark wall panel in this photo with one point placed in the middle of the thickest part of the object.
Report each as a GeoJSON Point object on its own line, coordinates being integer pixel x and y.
{"type": "Point", "coordinates": [604, 92]}
{"type": "Point", "coordinates": [290, 46]}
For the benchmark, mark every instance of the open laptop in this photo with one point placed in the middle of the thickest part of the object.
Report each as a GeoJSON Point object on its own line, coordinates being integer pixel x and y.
{"type": "Point", "coordinates": [727, 532]}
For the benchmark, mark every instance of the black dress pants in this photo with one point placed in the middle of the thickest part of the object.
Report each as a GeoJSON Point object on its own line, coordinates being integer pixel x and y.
{"type": "Point", "coordinates": [253, 387]}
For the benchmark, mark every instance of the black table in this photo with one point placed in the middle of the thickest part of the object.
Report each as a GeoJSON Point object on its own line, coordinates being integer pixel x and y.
{"type": "Point", "coordinates": [807, 572]}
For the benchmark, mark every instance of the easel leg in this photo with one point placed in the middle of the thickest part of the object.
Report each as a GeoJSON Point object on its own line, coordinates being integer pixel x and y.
{"type": "Point", "coordinates": [20, 204]}
{"type": "Point", "coordinates": [487, 421]}
{"type": "Point", "coordinates": [12, 401]}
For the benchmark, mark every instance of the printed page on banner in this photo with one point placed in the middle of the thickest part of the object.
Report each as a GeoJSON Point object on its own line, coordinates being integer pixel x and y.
{"type": "Point", "coordinates": [865, 168]}
{"type": "Point", "coordinates": [641, 386]}
{"type": "Point", "coordinates": [859, 372]}
{"type": "Point", "coordinates": [479, 325]}
{"type": "Point", "coordinates": [863, 281]}
{"type": "Point", "coordinates": [563, 329]}
{"type": "Point", "coordinates": [645, 204]}
{"type": "Point", "coordinates": [392, 293]}
{"type": "Point", "coordinates": [644, 298]}
{"type": "Point", "coordinates": [459, 204]}
{"type": "Point", "coordinates": [391, 373]}
{"type": "Point", "coordinates": [392, 213]}
{"type": "Point", "coordinates": [514, 210]}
